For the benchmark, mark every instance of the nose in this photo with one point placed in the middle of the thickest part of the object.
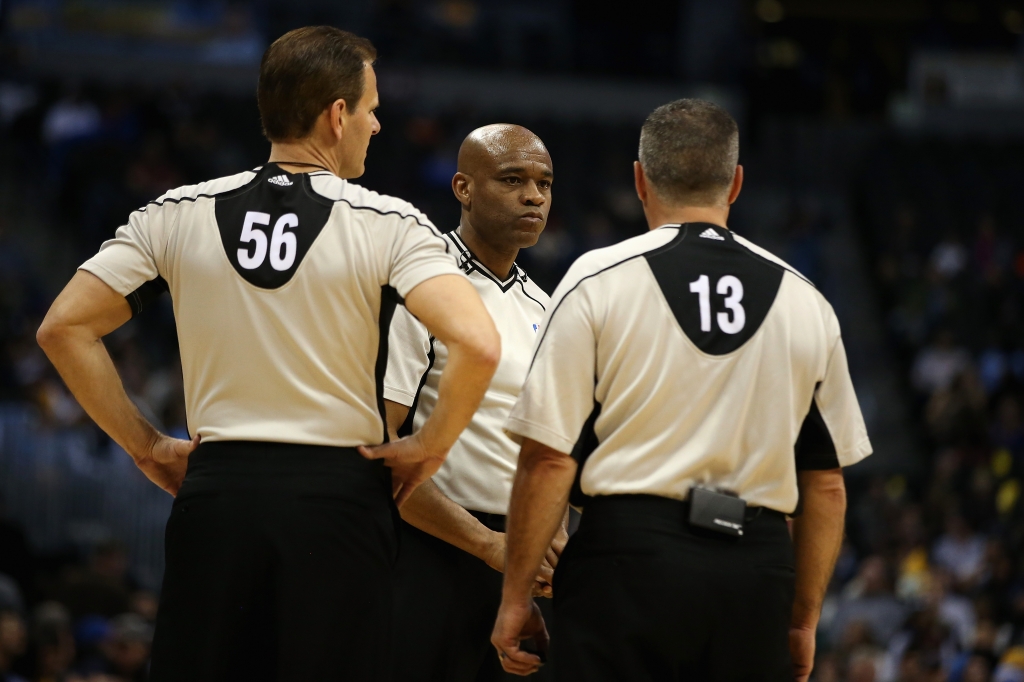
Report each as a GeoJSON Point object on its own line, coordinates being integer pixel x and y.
{"type": "Point", "coordinates": [532, 196]}
{"type": "Point", "coordinates": [375, 128]}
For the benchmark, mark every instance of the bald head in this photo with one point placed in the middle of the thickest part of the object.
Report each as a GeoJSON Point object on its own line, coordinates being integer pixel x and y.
{"type": "Point", "coordinates": [504, 185]}
{"type": "Point", "coordinates": [497, 143]}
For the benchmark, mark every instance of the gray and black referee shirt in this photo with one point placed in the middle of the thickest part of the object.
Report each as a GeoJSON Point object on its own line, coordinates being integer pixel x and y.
{"type": "Point", "coordinates": [281, 285]}
{"type": "Point", "coordinates": [689, 355]}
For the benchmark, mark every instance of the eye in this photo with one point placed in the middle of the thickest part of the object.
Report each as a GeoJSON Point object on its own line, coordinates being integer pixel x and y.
{"type": "Point", "coordinates": [544, 184]}
{"type": "Point", "coordinates": [512, 180]}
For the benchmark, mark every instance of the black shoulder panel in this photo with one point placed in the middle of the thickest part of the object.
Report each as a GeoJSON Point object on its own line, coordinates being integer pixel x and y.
{"type": "Point", "coordinates": [719, 291]}
{"type": "Point", "coordinates": [585, 446]}
{"type": "Point", "coordinates": [268, 225]}
{"type": "Point", "coordinates": [814, 448]}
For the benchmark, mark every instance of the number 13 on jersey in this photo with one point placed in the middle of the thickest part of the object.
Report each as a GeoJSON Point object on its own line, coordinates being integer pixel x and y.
{"type": "Point", "coordinates": [731, 287]}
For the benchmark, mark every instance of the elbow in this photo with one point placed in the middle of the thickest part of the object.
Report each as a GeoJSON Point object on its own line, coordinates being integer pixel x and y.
{"type": "Point", "coordinates": [826, 487]}
{"type": "Point", "coordinates": [49, 334]}
{"type": "Point", "coordinates": [486, 350]}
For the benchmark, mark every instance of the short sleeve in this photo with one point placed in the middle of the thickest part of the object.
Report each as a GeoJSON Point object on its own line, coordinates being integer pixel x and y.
{"type": "Point", "coordinates": [419, 254]}
{"type": "Point", "coordinates": [558, 395]}
{"type": "Point", "coordinates": [409, 356]}
{"type": "Point", "coordinates": [833, 433]}
{"type": "Point", "coordinates": [131, 259]}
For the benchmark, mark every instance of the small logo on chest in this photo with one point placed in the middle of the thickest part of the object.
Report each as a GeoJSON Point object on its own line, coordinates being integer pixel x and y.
{"type": "Point", "coordinates": [535, 328]}
{"type": "Point", "coordinates": [280, 181]}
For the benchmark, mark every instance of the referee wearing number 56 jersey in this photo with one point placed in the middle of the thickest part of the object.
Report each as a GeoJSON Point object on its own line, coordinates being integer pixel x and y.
{"type": "Point", "coordinates": [699, 387]}
{"type": "Point", "coordinates": [282, 538]}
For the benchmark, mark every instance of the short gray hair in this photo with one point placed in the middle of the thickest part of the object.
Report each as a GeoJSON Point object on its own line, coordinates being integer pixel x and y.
{"type": "Point", "coordinates": [689, 149]}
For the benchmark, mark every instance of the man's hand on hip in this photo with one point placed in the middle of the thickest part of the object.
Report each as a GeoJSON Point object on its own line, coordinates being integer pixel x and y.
{"type": "Point", "coordinates": [518, 622]}
{"type": "Point", "coordinates": [166, 462]}
{"type": "Point", "coordinates": [411, 463]}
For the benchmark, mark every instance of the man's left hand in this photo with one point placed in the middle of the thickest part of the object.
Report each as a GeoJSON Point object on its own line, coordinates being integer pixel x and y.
{"type": "Point", "coordinates": [518, 622]}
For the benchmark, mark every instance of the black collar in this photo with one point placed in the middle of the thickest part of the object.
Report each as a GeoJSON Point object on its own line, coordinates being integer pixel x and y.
{"type": "Point", "coordinates": [468, 263]}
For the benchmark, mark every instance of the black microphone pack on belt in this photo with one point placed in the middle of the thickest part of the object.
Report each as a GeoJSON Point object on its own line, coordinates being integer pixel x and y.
{"type": "Point", "coordinates": [717, 510]}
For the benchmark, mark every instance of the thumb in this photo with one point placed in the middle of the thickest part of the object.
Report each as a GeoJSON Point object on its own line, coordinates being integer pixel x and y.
{"type": "Point", "coordinates": [371, 452]}
{"type": "Point", "coordinates": [194, 444]}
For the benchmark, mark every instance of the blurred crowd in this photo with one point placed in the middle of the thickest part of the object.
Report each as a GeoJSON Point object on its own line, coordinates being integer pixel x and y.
{"type": "Point", "coordinates": [930, 587]}
{"type": "Point", "coordinates": [930, 584]}
{"type": "Point", "coordinates": [79, 622]}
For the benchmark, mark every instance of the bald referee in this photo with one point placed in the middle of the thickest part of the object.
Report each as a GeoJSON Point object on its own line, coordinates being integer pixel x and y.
{"type": "Point", "coordinates": [452, 541]}
{"type": "Point", "coordinates": [698, 386]}
{"type": "Point", "coordinates": [282, 538]}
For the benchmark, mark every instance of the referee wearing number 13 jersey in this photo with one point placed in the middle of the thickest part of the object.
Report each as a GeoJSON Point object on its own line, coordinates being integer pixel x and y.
{"type": "Point", "coordinates": [709, 382]}
{"type": "Point", "coordinates": [282, 538]}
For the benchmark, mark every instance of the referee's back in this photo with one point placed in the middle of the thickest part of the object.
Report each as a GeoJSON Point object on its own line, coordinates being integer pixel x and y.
{"type": "Point", "coordinates": [701, 387]}
{"type": "Point", "coordinates": [281, 284]}
{"type": "Point", "coordinates": [281, 542]}
{"type": "Point", "coordinates": [715, 363]}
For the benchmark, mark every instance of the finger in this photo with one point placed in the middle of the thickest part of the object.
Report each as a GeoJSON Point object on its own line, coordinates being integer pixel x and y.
{"type": "Point", "coordinates": [195, 443]}
{"type": "Point", "coordinates": [523, 659]}
{"type": "Point", "coordinates": [545, 573]}
{"type": "Point", "coordinates": [374, 452]}
{"type": "Point", "coordinates": [406, 491]}
{"type": "Point", "coordinates": [513, 662]}
{"type": "Point", "coordinates": [552, 558]}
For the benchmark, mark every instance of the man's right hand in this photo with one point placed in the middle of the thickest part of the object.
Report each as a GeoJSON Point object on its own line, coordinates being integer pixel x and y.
{"type": "Point", "coordinates": [410, 461]}
{"type": "Point", "coordinates": [801, 650]}
{"type": "Point", "coordinates": [166, 461]}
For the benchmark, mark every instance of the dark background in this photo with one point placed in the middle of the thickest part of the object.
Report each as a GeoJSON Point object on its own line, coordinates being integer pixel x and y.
{"type": "Point", "coordinates": [882, 141]}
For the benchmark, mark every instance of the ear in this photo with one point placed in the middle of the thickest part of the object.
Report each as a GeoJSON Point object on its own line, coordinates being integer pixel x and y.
{"type": "Point", "coordinates": [640, 180]}
{"type": "Point", "coordinates": [336, 118]}
{"type": "Point", "coordinates": [737, 185]}
{"type": "Point", "coordinates": [462, 186]}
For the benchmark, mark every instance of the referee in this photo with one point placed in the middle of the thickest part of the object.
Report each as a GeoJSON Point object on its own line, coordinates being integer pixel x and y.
{"type": "Point", "coordinates": [452, 541]}
{"type": "Point", "coordinates": [281, 540]}
{"type": "Point", "coordinates": [701, 387]}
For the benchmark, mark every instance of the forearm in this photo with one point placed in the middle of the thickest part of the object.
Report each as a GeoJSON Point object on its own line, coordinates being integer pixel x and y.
{"type": "Point", "coordinates": [463, 383]}
{"type": "Point", "coordinates": [435, 513]}
{"type": "Point", "coordinates": [817, 539]}
{"type": "Point", "coordinates": [85, 365]}
{"type": "Point", "coordinates": [540, 495]}
{"type": "Point", "coordinates": [71, 336]}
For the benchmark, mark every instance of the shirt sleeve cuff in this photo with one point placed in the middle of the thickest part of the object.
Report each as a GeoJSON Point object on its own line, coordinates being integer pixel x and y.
{"type": "Point", "coordinates": [517, 430]}
{"type": "Point", "coordinates": [856, 454]}
{"type": "Point", "coordinates": [399, 396]}
{"type": "Point", "coordinates": [108, 277]}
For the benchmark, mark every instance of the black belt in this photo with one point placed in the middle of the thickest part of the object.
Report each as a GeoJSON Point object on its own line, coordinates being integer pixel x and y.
{"type": "Point", "coordinates": [495, 522]}
{"type": "Point", "coordinates": [664, 507]}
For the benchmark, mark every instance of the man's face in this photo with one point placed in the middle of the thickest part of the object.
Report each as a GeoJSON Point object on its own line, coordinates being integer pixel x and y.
{"type": "Point", "coordinates": [360, 124]}
{"type": "Point", "coordinates": [510, 197]}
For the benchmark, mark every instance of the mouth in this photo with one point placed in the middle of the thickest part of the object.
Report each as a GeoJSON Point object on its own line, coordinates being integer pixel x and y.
{"type": "Point", "coordinates": [533, 217]}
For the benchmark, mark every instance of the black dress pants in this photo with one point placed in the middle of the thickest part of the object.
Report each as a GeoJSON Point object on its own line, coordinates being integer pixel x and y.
{"type": "Point", "coordinates": [642, 596]}
{"type": "Point", "coordinates": [279, 567]}
{"type": "Point", "coordinates": [446, 602]}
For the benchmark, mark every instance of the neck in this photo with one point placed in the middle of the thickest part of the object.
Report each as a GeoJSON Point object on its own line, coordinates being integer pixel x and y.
{"type": "Point", "coordinates": [303, 152]}
{"type": "Point", "coordinates": [670, 215]}
{"type": "Point", "coordinates": [498, 261]}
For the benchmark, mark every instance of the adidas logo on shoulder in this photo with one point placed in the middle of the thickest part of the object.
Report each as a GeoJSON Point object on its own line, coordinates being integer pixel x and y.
{"type": "Point", "coordinates": [711, 234]}
{"type": "Point", "coordinates": [280, 180]}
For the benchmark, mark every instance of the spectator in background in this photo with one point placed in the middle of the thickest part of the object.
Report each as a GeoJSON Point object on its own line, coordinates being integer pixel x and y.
{"type": "Point", "coordinates": [53, 642]}
{"type": "Point", "coordinates": [124, 652]}
{"type": "Point", "coordinates": [869, 599]}
{"type": "Point", "coordinates": [960, 550]}
{"type": "Point", "coordinates": [937, 365]}
{"type": "Point", "coordinates": [949, 257]}
{"type": "Point", "coordinates": [13, 642]}
{"type": "Point", "coordinates": [103, 588]}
